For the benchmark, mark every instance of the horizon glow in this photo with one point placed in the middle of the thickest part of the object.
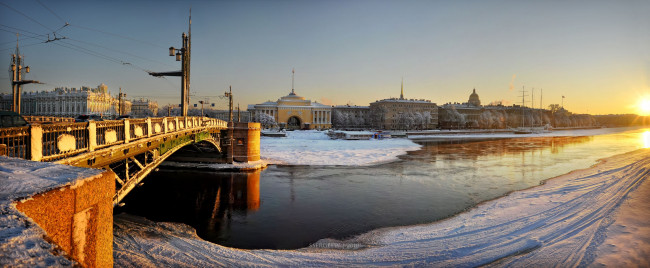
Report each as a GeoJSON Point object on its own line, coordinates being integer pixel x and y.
{"type": "Point", "coordinates": [596, 53]}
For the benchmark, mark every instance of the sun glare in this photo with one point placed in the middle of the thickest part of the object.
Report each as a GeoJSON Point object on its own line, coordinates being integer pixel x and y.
{"type": "Point", "coordinates": [645, 137]}
{"type": "Point", "coordinates": [644, 107]}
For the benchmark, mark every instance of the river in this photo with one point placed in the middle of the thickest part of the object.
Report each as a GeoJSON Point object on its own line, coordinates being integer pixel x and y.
{"type": "Point", "coordinates": [287, 207]}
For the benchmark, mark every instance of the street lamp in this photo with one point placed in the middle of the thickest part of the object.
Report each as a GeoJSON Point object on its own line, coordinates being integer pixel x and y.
{"type": "Point", "coordinates": [182, 55]}
{"type": "Point", "coordinates": [16, 79]}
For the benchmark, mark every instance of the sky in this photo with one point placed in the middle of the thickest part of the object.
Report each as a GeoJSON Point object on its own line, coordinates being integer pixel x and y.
{"type": "Point", "coordinates": [595, 53]}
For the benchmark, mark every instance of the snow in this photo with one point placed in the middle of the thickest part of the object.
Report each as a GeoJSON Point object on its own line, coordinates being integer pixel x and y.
{"type": "Point", "coordinates": [565, 222]}
{"type": "Point", "coordinates": [316, 148]}
{"type": "Point", "coordinates": [22, 242]}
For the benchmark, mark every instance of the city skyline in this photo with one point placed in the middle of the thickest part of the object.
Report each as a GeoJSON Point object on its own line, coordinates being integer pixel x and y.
{"type": "Point", "coordinates": [597, 54]}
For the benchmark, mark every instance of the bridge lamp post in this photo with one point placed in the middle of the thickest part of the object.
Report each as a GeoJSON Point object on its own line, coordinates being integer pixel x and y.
{"type": "Point", "coordinates": [231, 126]}
{"type": "Point", "coordinates": [202, 102]}
{"type": "Point", "coordinates": [182, 55]}
{"type": "Point", "coordinates": [16, 79]}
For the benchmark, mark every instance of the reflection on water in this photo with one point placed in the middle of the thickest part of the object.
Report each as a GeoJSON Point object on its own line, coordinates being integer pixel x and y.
{"type": "Point", "coordinates": [499, 147]}
{"type": "Point", "coordinates": [645, 138]}
{"type": "Point", "coordinates": [207, 201]}
{"type": "Point", "coordinates": [286, 207]}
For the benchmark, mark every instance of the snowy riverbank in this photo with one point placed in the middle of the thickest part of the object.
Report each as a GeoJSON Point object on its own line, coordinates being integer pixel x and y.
{"type": "Point", "coordinates": [315, 148]}
{"type": "Point", "coordinates": [581, 218]}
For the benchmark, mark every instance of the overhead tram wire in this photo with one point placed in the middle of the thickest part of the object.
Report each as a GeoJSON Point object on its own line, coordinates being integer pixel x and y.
{"type": "Point", "coordinates": [123, 52]}
{"type": "Point", "coordinates": [22, 38]}
{"type": "Point", "coordinates": [27, 45]}
{"type": "Point", "coordinates": [22, 46]}
{"type": "Point", "coordinates": [100, 55]}
{"type": "Point", "coordinates": [25, 15]}
{"type": "Point", "coordinates": [117, 35]}
{"type": "Point", "coordinates": [51, 11]}
{"type": "Point", "coordinates": [22, 30]}
{"type": "Point", "coordinates": [79, 48]}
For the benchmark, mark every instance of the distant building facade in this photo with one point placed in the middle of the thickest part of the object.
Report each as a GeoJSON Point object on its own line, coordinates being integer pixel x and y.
{"type": "Point", "coordinates": [351, 117]}
{"type": "Point", "coordinates": [295, 112]}
{"type": "Point", "coordinates": [461, 115]}
{"type": "Point", "coordinates": [68, 102]}
{"type": "Point", "coordinates": [144, 108]}
{"type": "Point", "coordinates": [403, 114]}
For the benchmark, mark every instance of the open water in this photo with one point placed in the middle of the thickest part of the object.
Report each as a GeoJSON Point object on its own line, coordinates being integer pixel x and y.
{"type": "Point", "coordinates": [287, 207]}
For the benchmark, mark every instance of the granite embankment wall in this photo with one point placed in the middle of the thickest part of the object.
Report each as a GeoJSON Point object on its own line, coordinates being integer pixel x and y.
{"type": "Point", "coordinates": [78, 218]}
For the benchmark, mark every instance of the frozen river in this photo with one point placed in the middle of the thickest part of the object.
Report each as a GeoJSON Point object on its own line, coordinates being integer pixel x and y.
{"type": "Point", "coordinates": [293, 206]}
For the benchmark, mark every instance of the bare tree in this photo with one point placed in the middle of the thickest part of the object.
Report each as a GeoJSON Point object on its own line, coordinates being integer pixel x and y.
{"type": "Point", "coordinates": [265, 120]}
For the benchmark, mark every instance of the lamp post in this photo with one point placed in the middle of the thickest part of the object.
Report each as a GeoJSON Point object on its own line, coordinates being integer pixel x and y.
{"type": "Point", "coordinates": [231, 127]}
{"type": "Point", "coordinates": [203, 102]}
{"type": "Point", "coordinates": [183, 55]}
{"type": "Point", "coordinates": [16, 78]}
{"type": "Point", "coordinates": [120, 103]}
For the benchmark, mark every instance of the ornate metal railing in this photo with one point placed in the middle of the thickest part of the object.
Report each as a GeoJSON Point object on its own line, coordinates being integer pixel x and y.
{"type": "Point", "coordinates": [109, 133]}
{"type": "Point", "coordinates": [61, 140]}
{"type": "Point", "coordinates": [17, 141]}
{"type": "Point", "coordinates": [47, 119]}
{"type": "Point", "coordinates": [138, 128]}
{"type": "Point", "coordinates": [157, 126]}
{"type": "Point", "coordinates": [57, 141]}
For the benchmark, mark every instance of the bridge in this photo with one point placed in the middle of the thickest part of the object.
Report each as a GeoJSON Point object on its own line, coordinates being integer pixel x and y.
{"type": "Point", "coordinates": [131, 148]}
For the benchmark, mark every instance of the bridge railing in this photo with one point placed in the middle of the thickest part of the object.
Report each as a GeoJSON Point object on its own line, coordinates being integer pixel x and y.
{"type": "Point", "coordinates": [157, 126]}
{"type": "Point", "coordinates": [61, 140]}
{"type": "Point", "coordinates": [47, 119]}
{"type": "Point", "coordinates": [17, 141]}
{"type": "Point", "coordinates": [56, 141]}
{"type": "Point", "coordinates": [138, 128]}
{"type": "Point", "coordinates": [108, 133]}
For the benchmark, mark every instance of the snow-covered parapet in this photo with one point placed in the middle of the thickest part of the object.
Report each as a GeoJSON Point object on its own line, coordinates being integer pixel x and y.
{"type": "Point", "coordinates": [48, 211]}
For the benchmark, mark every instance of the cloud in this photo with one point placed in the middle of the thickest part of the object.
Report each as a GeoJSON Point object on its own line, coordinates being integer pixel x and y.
{"type": "Point", "coordinates": [325, 101]}
{"type": "Point", "coordinates": [512, 85]}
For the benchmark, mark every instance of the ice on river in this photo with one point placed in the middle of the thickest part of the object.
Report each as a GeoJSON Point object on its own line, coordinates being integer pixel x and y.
{"type": "Point", "coordinates": [561, 223]}
{"type": "Point", "coordinates": [315, 148]}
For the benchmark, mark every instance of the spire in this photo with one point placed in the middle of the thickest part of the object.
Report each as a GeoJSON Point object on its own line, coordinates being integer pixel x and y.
{"type": "Point", "coordinates": [293, 73]}
{"type": "Point", "coordinates": [401, 95]}
{"type": "Point", "coordinates": [474, 91]}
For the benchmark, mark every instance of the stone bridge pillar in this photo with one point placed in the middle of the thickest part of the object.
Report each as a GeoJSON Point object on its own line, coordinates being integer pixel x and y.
{"type": "Point", "coordinates": [246, 142]}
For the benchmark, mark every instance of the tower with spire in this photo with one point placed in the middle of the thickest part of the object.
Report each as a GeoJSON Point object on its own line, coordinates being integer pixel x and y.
{"type": "Point", "coordinates": [293, 73]}
{"type": "Point", "coordinates": [401, 95]}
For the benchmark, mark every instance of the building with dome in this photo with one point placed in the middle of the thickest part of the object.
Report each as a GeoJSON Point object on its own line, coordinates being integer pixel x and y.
{"type": "Point", "coordinates": [295, 112]}
{"type": "Point", "coordinates": [461, 115]}
{"type": "Point", "coordinates": [473, 99]}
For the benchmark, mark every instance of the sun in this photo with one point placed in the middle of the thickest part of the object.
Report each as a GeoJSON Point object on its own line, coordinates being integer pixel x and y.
{"type": "Point", "coordinates": [644, 106]}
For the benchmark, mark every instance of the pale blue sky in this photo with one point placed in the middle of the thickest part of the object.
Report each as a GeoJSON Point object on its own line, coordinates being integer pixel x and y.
{"type": "Point", "coordinates": [596, 53]}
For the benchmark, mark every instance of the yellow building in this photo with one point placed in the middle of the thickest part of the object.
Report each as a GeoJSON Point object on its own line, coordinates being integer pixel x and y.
{"type": "Point", "coordinates": [295, 112]}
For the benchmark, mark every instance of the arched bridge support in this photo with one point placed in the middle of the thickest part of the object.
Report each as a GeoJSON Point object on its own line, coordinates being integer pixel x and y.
{"type": "Point", "coordinates": [134, 160]}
